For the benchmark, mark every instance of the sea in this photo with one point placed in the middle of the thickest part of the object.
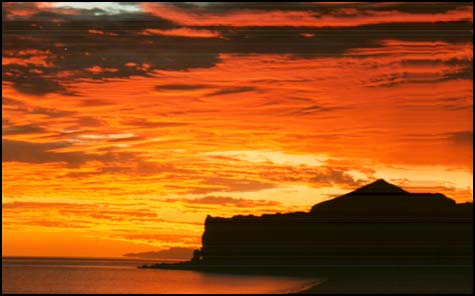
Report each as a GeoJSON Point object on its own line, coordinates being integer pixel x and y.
{"type": "Point", "coordinates": [93, 275]}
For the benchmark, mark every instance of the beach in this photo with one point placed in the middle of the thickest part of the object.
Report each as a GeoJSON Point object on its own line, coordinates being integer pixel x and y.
{"type": "Point", "coordinates": [448, 280]}
{"type": "Point", "coordinates": [351, 279]}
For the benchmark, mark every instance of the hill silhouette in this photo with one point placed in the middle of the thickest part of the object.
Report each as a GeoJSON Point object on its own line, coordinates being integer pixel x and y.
{"type": "Point", "coordinates": [379, 187]}
{"type": "Point", "coordinates": [383, 200]}
{"type": "Point", "coordinates": [378, 224]}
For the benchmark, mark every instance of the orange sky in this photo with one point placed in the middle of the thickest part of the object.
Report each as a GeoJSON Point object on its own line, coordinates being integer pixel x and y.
{"type": "Point", "coordinates": [124, 125]}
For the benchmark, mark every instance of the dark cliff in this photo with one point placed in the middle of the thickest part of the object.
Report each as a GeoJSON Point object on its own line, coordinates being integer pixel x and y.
{"type": "Point", "coordinates": [377, 224]}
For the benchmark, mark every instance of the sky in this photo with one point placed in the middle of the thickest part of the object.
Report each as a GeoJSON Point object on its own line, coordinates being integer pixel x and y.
{"type": "Point", "coordinates": [125, 124]}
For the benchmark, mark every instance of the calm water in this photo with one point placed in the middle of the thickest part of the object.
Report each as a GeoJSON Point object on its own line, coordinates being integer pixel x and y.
{"type": "Point", "coordinates": [48, 275]}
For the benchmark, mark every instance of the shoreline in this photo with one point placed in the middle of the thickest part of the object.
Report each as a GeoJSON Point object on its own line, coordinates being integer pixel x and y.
{"type": "Point", "coordinates": [310, 288]}
{"type": "Point", "coordinates": [441, 284]}
{"type": "Point", "coordinates": [356, 279]}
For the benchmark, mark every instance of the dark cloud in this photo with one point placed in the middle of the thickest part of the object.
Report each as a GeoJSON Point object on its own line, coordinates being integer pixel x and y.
{"type": "Point", "coordinates": [419, 7]}
{"type": "Point", "coordinates": [74, 50]}
{"type": "Point", "coordinates": [123, 52]}
{"type": "Point", "coordinates": [231, 90]}
{"type": "Point", "coordinates": [335, 41]}
{"type": "Point", "coordinates": [312, 110]}
{"type": "Point", "coordinates": [16, 105]}
{"type": "Point", "coordinates": [464, 138]}
{"type": "Point", "coordinates": [465, 69]}
{"type": "Point", "coordinates": [464, 73]}
{"type": "Point", "coordinates": [459, 69]}
{"type": "Point", "coordinates": [34, 84]}
{"type": "Point", "coordinates": [37, 152]}
{"type": "Point", "coordinates": [181, 86]}
{"type": "Point", "coordinates": [213, 184]}
{"type": "Point", "coordinates": [88, 121]}
{"type": "Point", "coordinates": [21, 151]}
{"type": "Point", "coordinates": [317, 176]}
{"type": "Point", "coordinates": [335, 177]}
{"type": "Point", "coordinates": [225, 201]}
{"type": "Point", "coordinates": [22, 129]}
{"type": "Point", "coordinates": [51, 112]}
{"type": "Point", "coordinates": [10, 102]}
{"type": "Point", "coordinates": [138, 168]}
{"type": "Point", "coordinates": [141, 122]}
{"type": "Point", "coordinates": [222, 8]}
{"type": "Point", "coordinates": [95, 102]}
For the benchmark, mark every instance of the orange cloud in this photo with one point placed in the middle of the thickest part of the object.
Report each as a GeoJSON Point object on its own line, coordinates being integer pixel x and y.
{"type": "Point", "coordinates": [99, 69]}
{"type": "Point", "coordinates": [99, 32]}
{"type": "Point", "coordinates": [25, 10]}
{"type": "Point", "coordinates": [183, 32]}
{"type": "Point", "coordinates": [41, 58]}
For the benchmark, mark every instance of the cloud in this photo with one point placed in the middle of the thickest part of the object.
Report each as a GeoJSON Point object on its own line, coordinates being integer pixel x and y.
{"type": "Point", "coordinates": [267, 15]}
{"type": "Point", "coordinates": [181, 87]}
{"type": "Point", "coordinates": [38, 205]}
{"type": "Point", "coordinates": [136, 167]}
{"type": "Point", "coordinates": [22, 129]}
{"type": "Point", "coordinates": [29, 152]}
{"type": "Point", "coordinates": [100, 70]}
{"type": "Point", "coordinates": [42, 72]}
{"type": "Point", "coordinates": [344, 8]}
{"type": "Point", "coordinates": [38, 56]}
{"type": "Point", "coordinates": [58, 11]}
{"type": "Point", "coordinates": [182, 32]}
{"type": "Point", "coordinates": [90, 216]}
{"type": "Point", "coordinates": [465, 72]}
{"type": "Point", "coordinates": [226, 201]}
{"type": "Point", "coordinates": [464, 138]}
{"type": "Point", "coordinates": [88, 121]}
{"type": "Point", "coordinates": [107, 8]}
{"type": "Point", "coordinates": [213, 184]}
{"type": "Point", "coordinates": [314, 109]}
{"type": "Point", "coordinates": [335, 177]}
{"type": "Point", "coordinates": [108, 136]}
{"type": "Point", "coordinates": [29, 83]}
{"type": "Point", "coordinates": [231, 90]}
{"type": "Point", "coordinates": [166, 240]}
{"type": "Point", "coordinates": [51, 112]}
{"type": "Point", "coordinates": [316, 176]}
{"type": "Point", "coordinates": [142, 122]}
{"type": "Point", "coordinates": [37, 152]}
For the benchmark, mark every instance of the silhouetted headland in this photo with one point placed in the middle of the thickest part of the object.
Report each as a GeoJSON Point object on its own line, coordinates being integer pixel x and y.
{"type": "Point", "coordinates": [376, 227]}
